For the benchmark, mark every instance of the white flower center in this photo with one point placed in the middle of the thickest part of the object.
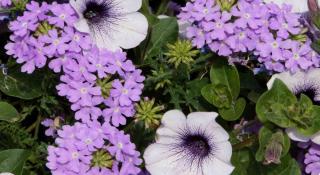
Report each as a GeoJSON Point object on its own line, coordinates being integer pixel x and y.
{"type": "Point", "coordinates": [62, 16]}
{"type": "Point", "coordinates": [56, 42]}
{"type": "Point", "coordinates": [84, 90]}
{"type": "Point", "coordinates": [75, 155]}
{"type": "Point", "coordinates": [120, 145]}
{"type": "Point", "coordinates": [296, 56]}
{"type": "Point", "coordinates": [247, 16]}
{"type": "Point", "coordinates": [285, 25]}
{"type": "Point", "coordinates": [275, 44]}
{"type": "Point", "coordinates": [88, 141]}
{"type": "Point", "coordinates": [125, 91]}
{"type": "Point", "coordinates": [76, 38]}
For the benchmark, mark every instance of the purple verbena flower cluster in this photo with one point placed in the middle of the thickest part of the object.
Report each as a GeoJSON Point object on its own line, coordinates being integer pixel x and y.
{"type": "Point", "coordinates": [5, 3]}
{"type": "Point", "coordinates": [251, 28]}
{"type": "Point", "coordinates": [312, 160]}
{"type": "Point", "coordinates": [45, 33]}
{"type": "Point", "coordinates": [78, 144]}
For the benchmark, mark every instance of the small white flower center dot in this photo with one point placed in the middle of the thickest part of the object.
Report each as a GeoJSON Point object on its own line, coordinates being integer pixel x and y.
{"type": "Point", "coordinates": [117, 109]}
{"type": "Point", "coordinates": [125, 91]}
{"type": "Point", "coordinates": [98, 65]}
{"type": "Point", "coordinates": [247, 15]}
{"type": "Point", "coordinates": [274, 44]}
{"type": "Point", "coordinates": [56, 42]}
{"type": "Point", "coordinates": [242, 35]}
{"type": "Point", "coordinates": [88, 141]}
{"type": "Point", "coordinates": [24, 25]}
{"type": "Point", "coordinates": [83, 90]}
{"type": "Point", "coordinates": [285, 25]}
{"type": "Point", "coordinates": [118, 63]}
{"type": "Point", "coordinates": [82, 69]}
{"type": "Point", "coordinates": [205, 11]}
{"type": "Point", "coordinates": [296, 56]}
{"type": "Point", "coordinates": [62, 16]}
{"type": "Point", "coordinates": [75, 155]}
{"type": "Point", "coordinates": [219, 25]}
{"type": "Point", "coordinates": [76, 38]}
{"type": "Point", "coordinates": [120, 145]}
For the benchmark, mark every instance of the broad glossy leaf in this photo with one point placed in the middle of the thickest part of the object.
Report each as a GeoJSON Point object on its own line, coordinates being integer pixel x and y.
{"type": "Point", "coordinates": [13, 160]}
{"type": "Point", "coordinates": [235, 111]}
{"type": "Point", "coordinates": [163, 32]}
{"type": "Point", "coordinates": [218, 95]}
{"type": "Point", "coordinates": [8, 112]}
{"type": "Point", "coordinates": [21, 85]}
{"type": "Point", "coordinates": [223, 73]}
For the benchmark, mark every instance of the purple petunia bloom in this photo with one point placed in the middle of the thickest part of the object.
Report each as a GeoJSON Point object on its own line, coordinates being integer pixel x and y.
{"type": "Point", "coordinates": [51, 131]}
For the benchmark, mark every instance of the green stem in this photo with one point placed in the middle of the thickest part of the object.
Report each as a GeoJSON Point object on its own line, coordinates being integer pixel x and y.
{"type": "Point", "coordinates": [246, 143]}
{"type": "Point", "coordinates": [163, 7]}
{"type": "Point", "coordinates": [36, 132]}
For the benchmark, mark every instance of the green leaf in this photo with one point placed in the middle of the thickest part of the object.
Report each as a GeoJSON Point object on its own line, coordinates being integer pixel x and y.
{"type": "Point", "coordinates": [163, 32]}
{"type": "Point", "coordinates": [223, 73]}
{"type": "Point", "coordinates": [273, 104]}
{"type": "Point", "coordinates": [21, 85]}
{"type": "Point", "coordinates": [241, 160]}
{"type": "Point", "coordinates": [13, 160]}
{"type": "Point", "coordinates": [218, 95]}
{"type": "Point", "coordinates": [235, 111]}
{"type": "Point", "coordinates": [8, 113]}
{"type": "Point", "coordinates": [264, 136]}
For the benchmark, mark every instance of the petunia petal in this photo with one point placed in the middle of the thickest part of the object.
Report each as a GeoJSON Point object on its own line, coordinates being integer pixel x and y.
{"type": "Point", "coordinates": [166, 140]}
{"type": "Point", "coordinates": [298, 6]}
{"type": "Point", "coordinates": [158, 152]}
{"type": "Point", "coordinates": [223, 151]}
{"type": "Point", "coordinates": [198, 120]}
{"type": "Point", "coordinates": [316, 138]}
{"type": "Point", "coordinates": [217, 134]}
{"type": "Point", "coordinates": [163, 131]}
{"type": "Point", "coordinates": [174, 120]}
{"type": "Point", "coordinates": [78, 6]}
{"type": "Point", "coordinates": [216, 167]}
{"type": "Point", "coordinates": [82, 26]}
{"type": "Point", "coordinates": [291, 80]}
{"type": "Point", "coordinates": [129, 31]}
{"type": "Point", "coordinates": [127, 6]}
{"type": "Point", "coordinates": [294, 135]}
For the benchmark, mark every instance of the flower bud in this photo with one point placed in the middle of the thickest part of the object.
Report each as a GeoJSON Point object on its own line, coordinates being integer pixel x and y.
{"type": "Point", "coordinates": [274, 149]}
{"type": "Point", "coordinates": [313, 6]}
{"type": "Point", "coordinates": [226, 5]}
{"type": "Point", "coordinates": [148, 113]}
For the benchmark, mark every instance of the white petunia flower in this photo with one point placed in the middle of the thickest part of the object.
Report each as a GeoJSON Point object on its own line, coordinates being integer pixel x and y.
{"type": "Point", "coordinates": [196, 145]}
{"type": "Point", "coordinates": [5, 173]}
{"type": "Point", "coordinates": [112, 24]}
{"type": "Point", "coordinates": [307, 83]}
{"type": "Point", "coordinates": [298, 6]}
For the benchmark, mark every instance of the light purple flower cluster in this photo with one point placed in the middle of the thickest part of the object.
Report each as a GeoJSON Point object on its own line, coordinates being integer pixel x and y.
{"type": "Point", "coordinates": [251, 28]}
{"type": "Point", "coordinates": [78, 144]}
{"type": "Point", "coordinates": [312, 160]}
{"type": "Point", "coordinates": [5, 3]}
{"type": "Point", "coordinates": [45, 33]}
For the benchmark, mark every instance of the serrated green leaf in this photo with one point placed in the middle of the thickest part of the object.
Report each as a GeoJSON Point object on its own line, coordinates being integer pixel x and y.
{"type": "Point", "coordinates": [8, 113]}
{"type": "Point", "coordinates": [235, 111]}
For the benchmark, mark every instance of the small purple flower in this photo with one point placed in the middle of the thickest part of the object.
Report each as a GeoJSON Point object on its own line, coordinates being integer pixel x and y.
{"type": "Point", "coordinates": [35, 10]}
{"type": "Point", "coordinates": [78, 41]}
{"type": "Point", "coordinates": [249, 15]}
{"type": "Point", "coordinates": [117, 114]}
{"type": "Point", "coordinates": [5, 3]}
{"type": "Point", "coordinates": [79, 69]}
{"type": "Point", "coordinates": [56, 44]}
{"type": "Point", "coordinates": [122, 147]}
{"type": "Point", "coordinates": [62, 14]}
{"type": "Point", "coordinates": [312, 160]}
{"type": "Point", "coordinates": [127, 93]}
{"type": "Point", "coordinates": [23, 25]}
{"type": "Point", "coordinates": [285, 25]}
{"type": "Point", "coordinates": [197, 35]}
{"type": "Point", "coordinates": [119, 64]}
{"type": "Point", "coordinates": [220, 28]}
{"type": "Point", "coordinates": [51, 131]}
{"type": "Point", "coordinates": [298, 57]}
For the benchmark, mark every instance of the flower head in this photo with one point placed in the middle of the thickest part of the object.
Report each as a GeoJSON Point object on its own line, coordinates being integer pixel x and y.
{"type": "Point", "coordinates": [112, 24]}
{"type": "Point", "coordinates": [193, 145]}
{"type": "Point", "coordinates": [181, 52]}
